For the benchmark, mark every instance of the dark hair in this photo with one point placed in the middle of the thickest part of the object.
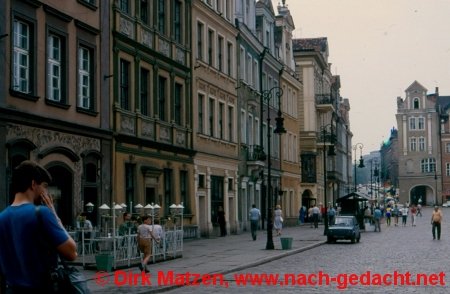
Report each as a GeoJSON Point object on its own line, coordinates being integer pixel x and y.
{"type": "Point", "coordinates": [25, 173]}
{"type": "Point", "coordinates": [125, 214]}
{"type": "Point", "coordinates": [145, 217]}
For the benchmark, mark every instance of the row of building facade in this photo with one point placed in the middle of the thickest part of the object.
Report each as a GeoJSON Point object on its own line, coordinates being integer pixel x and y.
{"type": "Point", "coordinates": [171, 102]}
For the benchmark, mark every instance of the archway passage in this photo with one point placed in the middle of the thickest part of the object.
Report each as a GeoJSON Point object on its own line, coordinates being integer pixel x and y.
{"type": "Point", "coordinates": [61, 185]}
{"type": "Point", "coordinates": [308, 201]}
{"type": "Point", "coordinates": [422, 195]}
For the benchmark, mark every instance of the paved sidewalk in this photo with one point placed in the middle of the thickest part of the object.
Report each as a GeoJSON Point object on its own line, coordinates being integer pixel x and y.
{"type": "Point", "coordinates": [206, 256]}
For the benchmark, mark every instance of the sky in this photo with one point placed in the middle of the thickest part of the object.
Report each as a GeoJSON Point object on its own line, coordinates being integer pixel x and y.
{"type": "Point", "coordinates": [379, 48]}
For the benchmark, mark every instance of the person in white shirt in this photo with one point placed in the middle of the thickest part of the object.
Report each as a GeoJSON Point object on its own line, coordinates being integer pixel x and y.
{"type": "Point", "coordinates": [144, 236]}
{"type": "Point", "coordinates": [404, 211]}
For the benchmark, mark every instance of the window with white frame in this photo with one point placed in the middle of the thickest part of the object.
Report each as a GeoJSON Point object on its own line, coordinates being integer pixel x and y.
{"type": "Point", "coordinates": [21, 57]}
{"type": "Point", "coordinates": [255, 74]}
{"type": "Point", "coordinates": [447, 147]}
{"type": "Point", "coordinates": [220, 43]}
{"type": "Point", "coordinates": [54, 67]}
{"type": "Point", "coordinates": [421, 123]}
{"type": "Point", "coordinates": [421, 144]}
{"type": "Point", "coordinates": [243, 127]}
{"type": "Point", "coordinates": [200, 32]}
{"type": "Point", "coordinates": [221, 120]}
{"type": "Point", "coordinates": [447, 169]}
{"type": "Point", "coordinates": [229, 59]}
{"type": "Point", "coordinates": [201, 113]}
{"type": "Point", "coordinates": [428, 165]}
{"type": "Point", "coordinates": [250, 132]}
{"type": "Point", "coordinates": [412, 144]}
{"type": "Point", "coordinates": [248, 70]}
{"type": "Point", "coordinates": [212, 116]}
{"type": "Point", "coordinates": [230, 123]}
{"type": "Point", "coordinates": [85, 77]}
{"type": "Point", "coordinates": [210, 47]}
{"type": "Point", "coordinates": [416, 103]}
{"type": "Point", "coordinates": [412, 123]}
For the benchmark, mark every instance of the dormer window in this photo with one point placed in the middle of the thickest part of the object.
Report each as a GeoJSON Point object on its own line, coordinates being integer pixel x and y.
{"type": "Point", "coordinates": [416, 103]}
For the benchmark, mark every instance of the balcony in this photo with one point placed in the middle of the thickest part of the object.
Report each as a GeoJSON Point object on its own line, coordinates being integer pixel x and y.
{"type": "Point", "coordinates": [255, 153]}
{"type": "Point", "coordinates": [326, 138]}
{"type": "Point", "coordinates": [324, 103]}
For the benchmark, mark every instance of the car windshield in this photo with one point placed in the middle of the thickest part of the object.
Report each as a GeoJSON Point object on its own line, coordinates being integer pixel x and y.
{"type": "Point", "coordinates": [343, 222]}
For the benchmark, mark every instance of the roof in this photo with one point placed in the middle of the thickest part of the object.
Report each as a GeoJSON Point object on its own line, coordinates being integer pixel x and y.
{"type": "Point", "coordinates": [316, 44]}
{"type": "Point", "coordinates": [358, 196]}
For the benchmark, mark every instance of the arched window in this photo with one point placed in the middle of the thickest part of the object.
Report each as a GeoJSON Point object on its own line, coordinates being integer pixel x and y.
{"type": "Point", "coordinates": [416, 103]}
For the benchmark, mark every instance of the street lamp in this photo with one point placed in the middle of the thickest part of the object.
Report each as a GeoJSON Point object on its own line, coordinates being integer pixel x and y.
{"type": "Point", "coordinates": [361, 160]}
{"type": "Point", "coordinates": [104, 211]}
{"type": "Point", "coordinates": [266, 96]}
{"type": "Point", "coordinates": [327, 139]}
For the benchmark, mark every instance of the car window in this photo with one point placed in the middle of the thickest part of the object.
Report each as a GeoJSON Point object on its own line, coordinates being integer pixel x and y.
{"type": "Point", "coordinates": [344, 222]}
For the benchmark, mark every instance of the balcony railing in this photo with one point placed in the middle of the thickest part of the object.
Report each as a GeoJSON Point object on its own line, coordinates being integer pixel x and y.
{"type": "Point", "coordinates": [255, 153]}
{"type": "Point", "coordinates": [324, 99]}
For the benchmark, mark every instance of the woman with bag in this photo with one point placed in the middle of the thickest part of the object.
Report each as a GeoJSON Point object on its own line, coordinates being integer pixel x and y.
{"type": "Point", "coordinates": [278, 220]}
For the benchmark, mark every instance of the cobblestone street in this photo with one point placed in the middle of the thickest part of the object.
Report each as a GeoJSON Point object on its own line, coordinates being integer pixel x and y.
{"type": "Point", "coordinates": [403, 249]}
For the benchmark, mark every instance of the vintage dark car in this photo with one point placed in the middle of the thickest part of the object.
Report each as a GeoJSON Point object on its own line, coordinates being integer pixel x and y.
{"type": "Point", "coordinates": [344, 228]}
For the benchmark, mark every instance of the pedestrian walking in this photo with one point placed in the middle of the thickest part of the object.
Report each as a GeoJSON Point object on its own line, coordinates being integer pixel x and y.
{"type": "Point", "coordinates": [388, 215]}
{"type": "Point", "coordinates": [278, 220]}
{"type": "Point", "coordinates": [222, 222]}
{"type": "Point", "coordinates": [436, 220]}
{"type": "Point", "coordinates": [302, 214]}
{"type": "Point", "coordinates": [404, 211]}
{"type": "Point", "coordinates": [395, 213]}
{"type": "Point", "coordinates": [144, 239]}
{"type": "Point", "coordinates": [419, 210]}
{"type": "Point", "coordinates": [255, 215]}
{"type": "Point", "coordinates": [315, 216]}
{"type": "Point", "coordinates": [31, 239]}
{"type": "Point", "coordinates": [413, 215]}
{"type": "Point", "coordinates": [377, 217]}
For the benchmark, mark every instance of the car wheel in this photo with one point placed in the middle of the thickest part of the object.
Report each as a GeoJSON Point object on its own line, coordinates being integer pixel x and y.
{"type": "Point", "coordinates": [353, 239]}
{"type": "Point", "coordinates": [329, 239]}
{"type": "Point", "coordinates": [357, 239]}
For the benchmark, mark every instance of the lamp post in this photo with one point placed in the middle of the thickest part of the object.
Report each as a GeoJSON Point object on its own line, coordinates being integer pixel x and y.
{"type": "Point", "coordinates": [376, 174]}
{"type": "Point", "coordinates": [266, 96]}
{"type": "Point", "coordinates": [361, 160]}
{"type": "Point", "coordinates": [436, 183]}
{"type": "Point", "coordinates": [331, 152]}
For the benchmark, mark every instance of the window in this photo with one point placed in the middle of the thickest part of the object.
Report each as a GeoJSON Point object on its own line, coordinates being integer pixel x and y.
{"type": "Point", "coordinates": [421, 144]}
{"type": "Point", "coordinates": [416, 103]}
{"type": "Point", "coordinates": [201, 102]}
{"type": "Point", "coordinates": [243, 128]}
{"type": "Point", "coordinates": [242, 64]}
{"type": "Point", "coordinates": [447, 147]}
{"type": "Point", "coordinates": [144, 11]}
{"type": "Point", "coordinates": [177, 21]}
{"type": "Point", "coordinates": [54, 67]}
{"type": "Point", "coordinates": [230, 184]}
{"type": "Point", "coordinates": [124, 6]}
{"type": "Point", "coordinates": [210, 47]}
{"type": "Point", "coordinates": [221, 121]}
{"type": "Point", "coordinates": [412, 144]}
{"type": "Point", "coordinates": [211, 117]}
{"type": "Point", "coordinates": [220, 54]}
{"type": "Point", "coordinates": [144, 91]}
{"type": "Point", "coordinates": [124, 84]}
{"type": "Point", "coordinates": [412, 123]}
{"type": "Point", "coordinates": [162, 98]}
{"type": "Point", "coordinates": [421, 123]}
{"type": "Point", "coordinates": [21, 57]}
{"type": "Point", "coordinates": [201, 181]}
{"type": "Point", "coordinates": [229, 58]}
{"type": "Point", "coordinates": [428, 165]}
{"type": "Point", "coordinates": [248, 70]}
{"type": "Point", "coordinates": [447, 169]}
{"type": "Point", "coordinates": [230, 123]}
{"type": "Point", "coordinates": [177, 103]}
{"type": "Point", "coordinates": [200, 28]}
{"type": "Point", "coordinates": [85, 78]}
{"type": "Point", "coordinates": [161, 16]}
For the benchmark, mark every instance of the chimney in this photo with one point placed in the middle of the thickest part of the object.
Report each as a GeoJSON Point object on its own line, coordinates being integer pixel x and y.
{"type": "Point", "coordinates": [437, 92]}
